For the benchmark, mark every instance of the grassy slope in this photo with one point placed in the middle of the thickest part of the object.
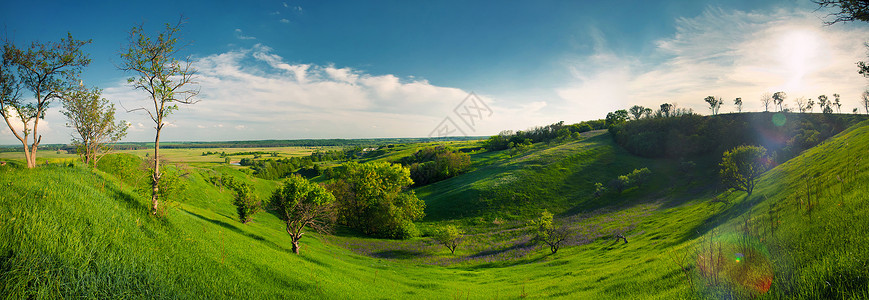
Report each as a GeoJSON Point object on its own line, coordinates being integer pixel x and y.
{"type": "Point", "coordinates": [72, 231]}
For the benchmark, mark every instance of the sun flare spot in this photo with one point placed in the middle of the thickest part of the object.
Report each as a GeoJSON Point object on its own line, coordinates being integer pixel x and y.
{"type": "Point", "coordinates": [798, 53]}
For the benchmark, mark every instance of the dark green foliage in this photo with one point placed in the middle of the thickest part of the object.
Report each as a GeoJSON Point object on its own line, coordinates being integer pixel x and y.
{"type": "Point", "coordinates": [693, 135]}
{"type": "Point", "coordinates": [616, 118]}
{"type": "Point", "coordinates": [373, 198]}
{"type": "Point", "coordinates": [434, 164]}
{"type": "Point", "coordinates": [541, 134]}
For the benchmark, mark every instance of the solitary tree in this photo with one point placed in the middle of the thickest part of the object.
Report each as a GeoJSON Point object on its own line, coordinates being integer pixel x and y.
{"type": "Point", "coordinates": [714, 104]}
{"type": "Point", "coordinates": [546, 232]}
{"type": "Point", "coordinates": [801, 104]}
{"type": "Point", "coordinates": [449, 236]}
{"type": "Point", "coordinates": [165, 79]}
{"type": "Point", "coordinates": [93, 119]}
{"type": "Point", "coordinates": [837, 102]}
{"type": "Point", "coordinates": [810, 105]}
{"type": "Point", "coordinates": [738, 103]}
{"type": "Point", "coordinates": [44, 69]}
{"type": "Point", "coordinates": [766, 98]}
{"type": "Point", "coordinates": [300, 203]}
{"type": "Point", "coordinates": [742, 166]}
{"type": "Point", "coordinates": [779, 98]}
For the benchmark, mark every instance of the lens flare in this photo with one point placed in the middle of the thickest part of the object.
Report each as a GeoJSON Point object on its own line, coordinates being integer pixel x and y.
{"type": "Point", "coordinates": [736, 262]}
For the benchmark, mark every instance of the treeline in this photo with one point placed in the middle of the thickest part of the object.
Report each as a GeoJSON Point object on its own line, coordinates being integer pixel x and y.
{"type": "Point", "coordinates": [784, 134]}
{"type": "Point", "coordinates": [434, 164]}
{"type": "Point", "coordinates": [508, 139]}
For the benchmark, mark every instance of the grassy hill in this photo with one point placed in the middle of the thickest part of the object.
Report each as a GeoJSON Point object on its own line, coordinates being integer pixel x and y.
{"type": "Point", "coordinates": [70, 231]}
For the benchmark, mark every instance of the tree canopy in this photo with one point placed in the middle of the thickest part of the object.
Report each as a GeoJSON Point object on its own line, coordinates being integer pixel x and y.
{"type": "Point", "coordinates": [742, 166]}
{"type": "Point", "coordinates": [300, 203]}
{"type": "Point", "coordinates": [373, 198]}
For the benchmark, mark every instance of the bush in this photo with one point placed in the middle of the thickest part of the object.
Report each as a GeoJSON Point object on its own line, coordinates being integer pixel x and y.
{"type": "Point", "coordinates": [245, 201]}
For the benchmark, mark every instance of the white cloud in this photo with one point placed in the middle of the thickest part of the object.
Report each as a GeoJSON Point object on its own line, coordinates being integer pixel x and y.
{"type": "Point", "coordinates": [264, 96]}
{"type": "Point", "coordinates": [728, 54]}
{"type": "Point", "coordinates": [240, 35]}
{"type": "Point", "coordinates": [285, 21]}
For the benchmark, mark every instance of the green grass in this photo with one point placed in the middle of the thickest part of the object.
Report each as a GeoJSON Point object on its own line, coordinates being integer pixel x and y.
{"type": "Point", "coordinates": [77, 232]}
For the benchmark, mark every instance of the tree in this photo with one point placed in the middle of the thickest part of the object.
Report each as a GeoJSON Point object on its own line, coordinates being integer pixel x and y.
{"type": "Point", "coordinates": [766, 98]}
{"type": "Point", "coordinates": [846, 10]}
{"type": "Point", "coordinates": [638, 111]}
{"type": "Point", "coordinates": [714, 104]}
{"type": "Point", "coordinates": [300, 203]}
{"type": "Point", "coordinates": [837, 102]}
{"type": "Point", "coordinates": [373, 198]}
{"type": "Point", "coordinates": [449, 236]}
{"type": "Point", "coordinates": [865, 100]}
{"type": "Point", "coordinates": [617, 117]}
{"type": "Point", "coordinates": [801, 104]}
{"type": "Point", "coordinates": [824, 104]}
{"type": "Point", "coordinates": [810, 104]}
{"type": "Point", "coordinates": [93, 119]}
{"type": "Point", "coordinates": [779, 98]}
{"type": "Point", "coordinates": [546, 232]}
{"type": "Point", "coordinates": [47, 70]}
{"type": "Point", "coordinates": [165, 79]}
{"type": "Point", "coordinates": [742, 166]}
{"type": "Point", "coordinates": [738, 103]}
{"type": "Point", "coordinates": [665, 110]}
{"type": "Point", "coordinates": [245, 201]}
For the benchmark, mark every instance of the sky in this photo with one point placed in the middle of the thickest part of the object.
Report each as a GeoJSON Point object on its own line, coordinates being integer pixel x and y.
{"type": "Point", "coordinates": [371, 69]}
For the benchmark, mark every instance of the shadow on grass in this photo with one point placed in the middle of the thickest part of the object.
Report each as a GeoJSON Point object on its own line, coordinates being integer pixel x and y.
{"type": "Point", "coordinates": [731, 211]}
{"type": "Point", "coordinates": [239, 231]}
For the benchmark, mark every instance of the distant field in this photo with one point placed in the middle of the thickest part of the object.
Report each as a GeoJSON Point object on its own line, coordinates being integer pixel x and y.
{"type": "Point", "coordinates": [190, 156]}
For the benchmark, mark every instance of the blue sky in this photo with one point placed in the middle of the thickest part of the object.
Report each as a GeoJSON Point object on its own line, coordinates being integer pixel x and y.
{"type": "Point", "coordinates": [353, 69]}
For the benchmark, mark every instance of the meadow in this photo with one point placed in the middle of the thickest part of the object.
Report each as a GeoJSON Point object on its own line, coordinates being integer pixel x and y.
{"type": "Point", "coordinates": [67, 230]}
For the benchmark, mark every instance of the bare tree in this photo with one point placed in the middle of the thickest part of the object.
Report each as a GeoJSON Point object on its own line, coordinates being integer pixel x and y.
{"type": "Point", "coordinates": [166, 80]}
{"type": "Point", "coordinates": [738, 103]}
{"type": "Point", "coordinates": [766, 98]}
{"type": "Point", "coordinates": [801, 104]}
{"type": "Point", "coordinates": [93, 119]}
{"type": "Point", "coordinates": [845, 10]}
{"type": "Point", "coordinates": [44, 69]}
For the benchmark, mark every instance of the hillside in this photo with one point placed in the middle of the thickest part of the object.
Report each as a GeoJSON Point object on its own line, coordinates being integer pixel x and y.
{"type": "Point", "coordinates": [70, 231]}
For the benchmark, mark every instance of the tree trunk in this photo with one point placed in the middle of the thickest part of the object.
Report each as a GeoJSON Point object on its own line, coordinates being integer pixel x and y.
{"type": "Point", "coordinates": [155, 182]}
{"type": "Point", "coordinates": [295, 245]}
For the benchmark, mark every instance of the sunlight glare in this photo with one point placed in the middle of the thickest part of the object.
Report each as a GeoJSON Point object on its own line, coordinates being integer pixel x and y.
{"type": "Point", "coordinates": [798, 49]}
